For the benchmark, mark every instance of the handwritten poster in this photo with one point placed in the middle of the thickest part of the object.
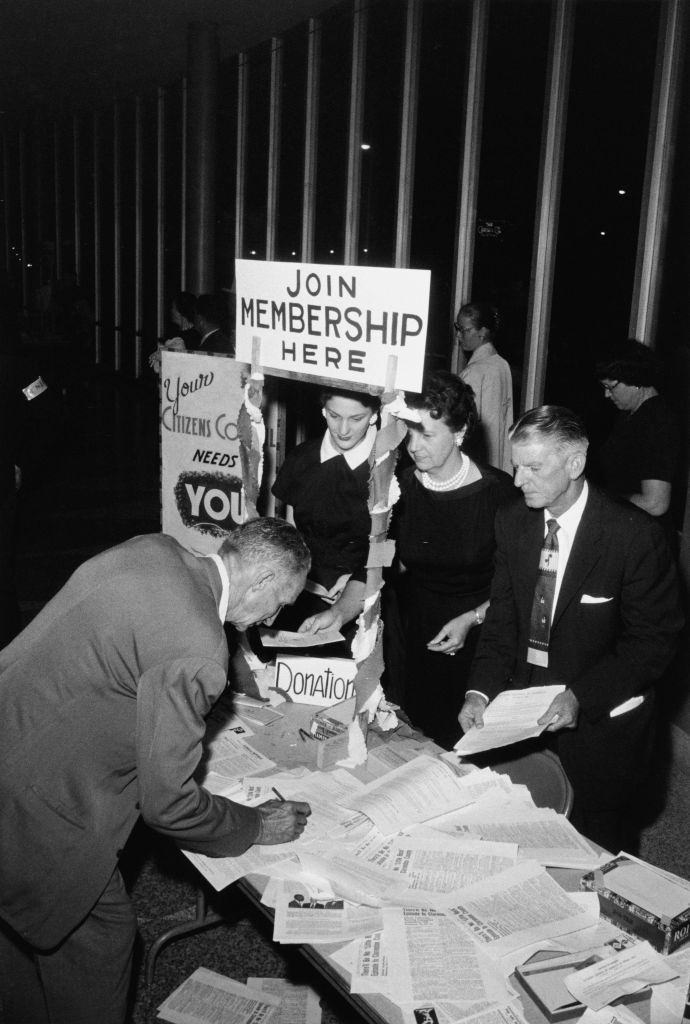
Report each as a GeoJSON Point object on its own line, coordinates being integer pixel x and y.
{"type": "Point", "coordinates": [323, 681]}
{"type": "Point", "coordinates": [201, 473]}
{"type": "Point", "coordinates": [332, 322]}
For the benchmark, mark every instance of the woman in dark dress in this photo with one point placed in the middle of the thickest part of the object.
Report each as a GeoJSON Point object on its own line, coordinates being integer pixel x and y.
{"type": "Point", "coordinates": [325, 484]}
{"type": "Point", "coordinates": [444, 527]}
{"type": "Point", "coordinates": [638, 460]}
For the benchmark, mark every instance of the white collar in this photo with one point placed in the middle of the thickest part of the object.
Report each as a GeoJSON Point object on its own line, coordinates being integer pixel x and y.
{"type": "Point", "coordinates": [570, 519]}
{"type": "Point", "coordinates": [224, 583]}
{"type": "Point", "coordinates": [355, 456]}
{"type": "Point", "coordinates": [485, 351]}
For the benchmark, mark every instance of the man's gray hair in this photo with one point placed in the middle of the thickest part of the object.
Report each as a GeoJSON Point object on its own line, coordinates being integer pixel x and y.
{"type": "Point", "coordinates": [551, 422]}
{"type": "Point", "coordinates": [271, 542]}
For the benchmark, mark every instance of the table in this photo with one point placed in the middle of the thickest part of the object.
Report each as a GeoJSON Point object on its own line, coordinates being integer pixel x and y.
{"type": "Point", "coordinates": [372, 1008]}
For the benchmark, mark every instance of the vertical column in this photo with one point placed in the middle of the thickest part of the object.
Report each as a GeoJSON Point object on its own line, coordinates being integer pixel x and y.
{"type": "Point", "coordinates": [57, 180]}
{"type": "Point", "coordinates": [241, 166]}
{"type": "Point", "coordinates": [310, 141]}
{"type": "Point", "coordinates": [275, 110]}
{"type": "Point", "coordinates": [202, 86]}
{"type": "Point", "coordinates": [160, 214]}
{"type": "Point", "coordinates": [408, 132]}
{"type": "Point", "coordinates": [471, 152]}
{"type": "Point", "coordinates": [354, 139]}
{"type": "Point", "coordinates": [76, 183]}
{"type": "Point", "coordinates": [97, 255]}
{"type": "Point", "coordinates": [183, 187]}
{"type": "Point", "coordinates": [138, 237]}
{"type": "Point", "coordinates": [117, 237]}
{"type": "Point", "coordinates": [23, 235]}
{"type": "Point", "coordinates": [657, 184]}
{"type": "Point", "coordinates": [548, 198]}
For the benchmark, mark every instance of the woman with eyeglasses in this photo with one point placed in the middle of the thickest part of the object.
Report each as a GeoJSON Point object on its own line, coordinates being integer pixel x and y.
{"type": "Point", "coordinates": [639, 458]}
{"type": "Point", "coordinates": [488, 374]}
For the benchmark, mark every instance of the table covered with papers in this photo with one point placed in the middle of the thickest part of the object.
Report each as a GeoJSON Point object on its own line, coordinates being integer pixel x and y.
{"type": "Point", "coordinates": [420, 882]}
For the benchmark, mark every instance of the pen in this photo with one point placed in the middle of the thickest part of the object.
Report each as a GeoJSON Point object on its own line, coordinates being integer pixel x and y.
{"type": "Point", "coordinates": [279, 795]}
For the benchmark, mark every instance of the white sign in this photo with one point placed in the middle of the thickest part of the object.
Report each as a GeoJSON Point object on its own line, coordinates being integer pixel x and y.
{"type": "Point", "coordinates": [334, 323]}
{"type": "Point", "coordinates": [201, 474]}
{"type": "Point", "coordinates": [323, 681]}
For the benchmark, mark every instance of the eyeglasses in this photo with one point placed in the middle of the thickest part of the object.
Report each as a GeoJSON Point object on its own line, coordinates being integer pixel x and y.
{"type": "Point", "coordinates": [609, 388]}
{"type": "Point", "coordinates": [462, 330]}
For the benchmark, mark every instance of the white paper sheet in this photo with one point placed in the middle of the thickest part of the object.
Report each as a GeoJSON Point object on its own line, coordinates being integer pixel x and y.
{"type": "Point", "coordinates": [423, 788]}
{"type": "Point", "coordinates": [509, 718]}
{"type": "Point", "coordinates": [319, 917]}
{"type": "Point", "coordinates": [288, 638]}
{"type": "Point", "coordinates": [627, 972]}
{"type": "Point", "coordinates": [299, 1004]}
{"type": "Point", "coordinates": [516, 908]}
{"type": "Point", "coordinates": [205, 994]}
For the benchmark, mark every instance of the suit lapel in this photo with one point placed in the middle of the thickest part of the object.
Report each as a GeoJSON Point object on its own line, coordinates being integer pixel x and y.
{"type": "Point", "coordinates": [529, 544]}
{"type": "Point", "coordinates": [584, 555]}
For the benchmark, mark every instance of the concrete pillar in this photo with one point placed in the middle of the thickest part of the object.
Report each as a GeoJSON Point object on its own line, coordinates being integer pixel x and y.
{"type": "Point", "coordinates": [202, 91]}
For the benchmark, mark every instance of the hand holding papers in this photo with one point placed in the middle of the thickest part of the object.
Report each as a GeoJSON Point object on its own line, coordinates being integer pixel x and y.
{"type": "Point", "coordinates": [509, 718]}
{"type": "Point", "coordinates": [287, 638]}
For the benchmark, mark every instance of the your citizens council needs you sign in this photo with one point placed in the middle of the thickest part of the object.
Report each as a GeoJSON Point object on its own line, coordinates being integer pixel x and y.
{"type": "Point", "coordinates": [333, 322]}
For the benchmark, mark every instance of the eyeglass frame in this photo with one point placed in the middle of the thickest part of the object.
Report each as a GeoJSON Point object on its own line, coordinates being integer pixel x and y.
{"type": "Point", "coordinates": [610, 388]}
{"type": "Point", "coordinates": [462, 330]}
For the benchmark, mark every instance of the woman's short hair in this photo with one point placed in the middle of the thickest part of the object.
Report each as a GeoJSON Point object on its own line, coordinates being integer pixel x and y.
{"type": "Point", "coordinates": [629, 362]}
{"type": "Point", "coordinates": [372, 402]}
{"type": "Point", "coordinates": [185, 304]}
{"type": "Point", "coordinates": [482, 314]}
{"type": "Point", "coordinates": [271, 541]}
{"type": "Point", "coordinates": [445, 397]}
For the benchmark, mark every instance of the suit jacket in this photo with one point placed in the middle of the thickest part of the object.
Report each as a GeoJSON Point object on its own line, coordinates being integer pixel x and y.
{"type": "Point", "coordinates": [102, 705]}
{"type": "Point", "coordinates": [614, 632]}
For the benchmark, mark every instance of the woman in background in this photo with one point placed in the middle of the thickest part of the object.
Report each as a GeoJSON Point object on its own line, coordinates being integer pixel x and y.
{"type": "Point", "coordinates": [639, 458]}
{"type": "Point", "coordinates": [488, 374]}
{"type": "Point", "coordinates": [325, 484]}
{"type": "Point", "coordinates": [444, 528]}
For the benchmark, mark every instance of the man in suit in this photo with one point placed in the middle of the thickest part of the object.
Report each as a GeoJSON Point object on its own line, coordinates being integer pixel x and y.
{"type": "Point", "coordinates": [612, 627]}
{"type": "Point", "coordinates": [102, 705]}
{"type": "Point", "coordinates": [209, 317]}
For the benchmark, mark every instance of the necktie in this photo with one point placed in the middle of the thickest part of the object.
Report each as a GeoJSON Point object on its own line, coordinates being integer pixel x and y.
{"type": "Point", "coordinates": [542, 605]}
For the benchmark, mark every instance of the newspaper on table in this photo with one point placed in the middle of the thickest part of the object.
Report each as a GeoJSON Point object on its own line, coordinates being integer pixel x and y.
{"type": "Point", "coordinates": [437, 865]}
{"type": "Point", "coordinates": [423, 788]}
{"type": "Point", "coordinates": [306, 914]}
{"type": "Point", "coordinates": [427, 954]}
{"type": "Point", "coordinates": [205, 995]}
{"type": "Point", "coordinates": [516, 908]}
{"type": "Point", "coordinates": [541, 834]}
{"type": "Point", "coordinates": [510, 717]}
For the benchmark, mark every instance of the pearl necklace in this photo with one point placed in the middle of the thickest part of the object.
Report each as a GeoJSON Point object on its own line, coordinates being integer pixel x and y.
{"type": "Point", "coordinates": [452, 482]}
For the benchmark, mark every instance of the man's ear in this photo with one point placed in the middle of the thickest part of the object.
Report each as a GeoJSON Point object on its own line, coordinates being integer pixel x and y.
{"type": "Point", "coordinates": [576, 464]}
{"type": "Point", "coordinates": [262, 578]}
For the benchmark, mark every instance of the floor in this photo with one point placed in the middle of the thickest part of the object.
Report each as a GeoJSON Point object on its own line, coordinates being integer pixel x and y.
{"type": "Point", "coordinates": [92, 481]}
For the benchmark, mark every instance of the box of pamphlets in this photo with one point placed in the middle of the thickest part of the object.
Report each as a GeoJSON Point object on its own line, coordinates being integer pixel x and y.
{"type": "Point", "coordinates": [643, 900]}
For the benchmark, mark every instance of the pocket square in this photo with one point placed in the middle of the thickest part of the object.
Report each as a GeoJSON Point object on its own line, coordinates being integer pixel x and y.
{"type": "Point", "coordinates": [589, 599]}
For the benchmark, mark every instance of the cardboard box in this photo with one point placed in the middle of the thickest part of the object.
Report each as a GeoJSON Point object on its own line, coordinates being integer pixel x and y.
{"type": "Point", "coordinates": [545, 982]}
{"type": "Point", "coordinates": [642, 900]}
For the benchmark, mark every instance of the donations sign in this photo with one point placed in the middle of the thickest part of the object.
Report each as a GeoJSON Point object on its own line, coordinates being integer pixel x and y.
{"type": "Point", "coordinates": [201, 474]}
{"type": "Point", "coordinates": [334, 323]}
{"type": "Point", "coordinates": [323, 681]}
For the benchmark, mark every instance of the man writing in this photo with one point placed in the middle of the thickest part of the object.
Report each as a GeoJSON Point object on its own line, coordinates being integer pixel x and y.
{"type": "Point", "coordinates": [584, 594]}
{"type": "Point", "coordinates": [102, 705]}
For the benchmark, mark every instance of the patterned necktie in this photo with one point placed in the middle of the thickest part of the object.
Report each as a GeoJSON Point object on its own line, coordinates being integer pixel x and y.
{"type": "Point", "coordinates": [542, 605]}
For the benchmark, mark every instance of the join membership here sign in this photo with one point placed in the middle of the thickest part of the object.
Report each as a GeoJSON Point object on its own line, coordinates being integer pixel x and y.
{"type": "Point", "coordinates": [334, 323]}
{"type": "Point", "coordinates": [201, 474]}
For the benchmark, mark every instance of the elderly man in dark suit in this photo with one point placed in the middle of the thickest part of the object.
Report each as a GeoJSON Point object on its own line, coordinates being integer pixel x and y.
{"type": "Point", "coordinates": [584, 594]}
{"type": "Point", "coordinates": [102, 705]}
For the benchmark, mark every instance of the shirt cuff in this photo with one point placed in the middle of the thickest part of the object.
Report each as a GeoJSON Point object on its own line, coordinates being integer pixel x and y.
{"type": "Point", "coordinates": [479, 693]}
